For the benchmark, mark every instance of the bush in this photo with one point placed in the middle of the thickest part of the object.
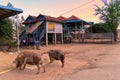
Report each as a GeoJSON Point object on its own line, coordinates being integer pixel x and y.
{"type": "Point", "coordinates": [7, 45]}
{"type": "Point", "coordinates": [99, 28]}
{"type": "Point", "coordinates": [12, 46]}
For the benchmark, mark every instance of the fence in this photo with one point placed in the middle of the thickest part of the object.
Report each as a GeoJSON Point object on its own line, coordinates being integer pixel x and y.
{"type": "Point", "coordinates": [100, 36]}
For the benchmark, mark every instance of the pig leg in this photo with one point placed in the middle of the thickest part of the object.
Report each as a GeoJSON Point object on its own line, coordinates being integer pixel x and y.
{"type": "Point", "coordinates": [51, 59]}
{"type": "Point", "coordinates": [38, 66]}
{"type": "Point", "coordinates": [41, 63]}
{"type": "Point", "coordinates": [62, 61]}
{"type": "Point", "coordinates": [42, 66]}
{"type": "Point", "coordinates": [17, 64]}
{"type": "Point", "coordinates": [20, 66]}
{"type": "Point", "coordinates": [24, 63]}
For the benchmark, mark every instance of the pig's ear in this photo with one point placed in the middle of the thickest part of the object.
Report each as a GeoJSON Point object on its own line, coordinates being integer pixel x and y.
{"type": "Point", "coordinates": [19, 55]}
{"type": "Point", "coordinates": [14, 62]}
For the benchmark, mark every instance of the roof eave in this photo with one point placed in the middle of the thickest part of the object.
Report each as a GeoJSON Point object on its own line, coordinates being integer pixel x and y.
{"type": "Point", "coordinates": [11, 8]}
{"type": "Point", "coordinates": [6, 11]}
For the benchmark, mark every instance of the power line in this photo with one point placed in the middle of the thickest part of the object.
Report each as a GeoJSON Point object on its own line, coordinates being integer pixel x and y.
{"type": "Point", "coordinates": [77, 7]}
{"type": "Point", "coordinates": [85, 9]}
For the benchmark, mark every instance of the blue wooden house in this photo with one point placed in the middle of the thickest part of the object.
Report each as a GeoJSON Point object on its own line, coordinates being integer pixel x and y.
{"type": "Point", "coordinates": [74, 26]}
{"type": "Point", "coordinates": [47, 29]}
{"type": "Point", "coordinates": [43, 29]}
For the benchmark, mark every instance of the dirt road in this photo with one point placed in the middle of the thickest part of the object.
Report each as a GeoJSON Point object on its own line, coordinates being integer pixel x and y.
{"type": "Point", "coordinates": [106, 68]}
{"type": "Point", "coordinates": [82, 62]}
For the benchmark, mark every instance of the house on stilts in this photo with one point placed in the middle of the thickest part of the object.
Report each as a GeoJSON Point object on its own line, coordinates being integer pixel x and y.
{"type": "Point", "coordinates": [74, 27]}
{"type": "Point", "coordinates": [51, 30]}
{"type": "Point", "coordinates": [43, 29]}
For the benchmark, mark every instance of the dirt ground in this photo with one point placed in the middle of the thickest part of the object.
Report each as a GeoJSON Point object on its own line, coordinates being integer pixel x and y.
{"type": "Point", "coordinates": [77, 57]}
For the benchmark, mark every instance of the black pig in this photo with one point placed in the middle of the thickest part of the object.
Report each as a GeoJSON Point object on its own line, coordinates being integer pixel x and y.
{"type": "Point", "coordinates": [57, 55]}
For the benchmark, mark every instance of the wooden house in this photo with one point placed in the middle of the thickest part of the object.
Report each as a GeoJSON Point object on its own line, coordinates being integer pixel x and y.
{"type": "Point", "coordinates": [43, 29]}
{"type": "Point", "coordinates": [47, 29]}
{"type": "Point", "coordinates": [73, 26]}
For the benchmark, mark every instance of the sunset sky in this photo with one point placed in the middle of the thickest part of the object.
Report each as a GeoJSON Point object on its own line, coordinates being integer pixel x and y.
{"type": "Point", "coordinates": [83, 9]}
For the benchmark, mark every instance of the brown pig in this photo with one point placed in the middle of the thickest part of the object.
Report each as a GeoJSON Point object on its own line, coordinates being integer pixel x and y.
{"type": "Point", "coordinates": [30, 58]}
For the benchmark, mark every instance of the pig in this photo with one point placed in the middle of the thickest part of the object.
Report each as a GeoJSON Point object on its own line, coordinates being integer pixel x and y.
{"type": "Point", "coordinates": [19, 61]}
{"type": "Point", "coordinates": [30, 58]}
{"type": "Point", "coordinates": [57, 55]}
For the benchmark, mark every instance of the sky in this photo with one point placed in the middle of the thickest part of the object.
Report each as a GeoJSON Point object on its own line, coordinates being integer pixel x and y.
{"type": "Point", "coordinates": [84, 9]}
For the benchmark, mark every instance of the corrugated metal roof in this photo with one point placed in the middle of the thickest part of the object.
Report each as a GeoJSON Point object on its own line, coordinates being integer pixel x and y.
{"type": "Point", "coordinates": [6, 11]}
{"type": "Point", "coordinates": [62, 18]}
{"type": "Point", "coordinates": [59, 19]}
{"type": "Point", "coordinates": [48, 18]}
{"type": "Point", "coordinates": [73, 18]}
{"type": "Point", "coordinates": [52, 19]}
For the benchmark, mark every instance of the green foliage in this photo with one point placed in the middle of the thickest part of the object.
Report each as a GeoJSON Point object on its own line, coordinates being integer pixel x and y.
{"type": "Point", "coordinates": [4, 41]}
{"type": "Point", "coordinates": [7, 45]}
{"type": "Point", "coordinates": [99, 28]}
{"type": "Point", "coordinates": [6, 30]}
{"type": "Point", "coordinates": [21, 28]}
{"type": "Point", "coordinates": [12, 46]}
{"type": "Point", "coordinates": [109, 13]}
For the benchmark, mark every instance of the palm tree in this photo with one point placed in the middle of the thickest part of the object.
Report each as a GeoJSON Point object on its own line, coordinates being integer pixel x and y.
{"type": "Point", "coordinates": [110, 14]}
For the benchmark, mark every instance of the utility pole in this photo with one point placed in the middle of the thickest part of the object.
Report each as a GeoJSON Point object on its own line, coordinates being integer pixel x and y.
{"type": "Point", "coordinates": [17, 32]}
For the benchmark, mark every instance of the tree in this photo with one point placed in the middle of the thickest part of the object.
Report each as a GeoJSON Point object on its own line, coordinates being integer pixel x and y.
{"type": "Point", "coordinates": [22, 18]}
{"type": "Point", "coordinates": [6, 30]}
{"type": "Point", "coordinates": [9, 4]}
{"type": "Point", "coordinates": [110, 14]}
